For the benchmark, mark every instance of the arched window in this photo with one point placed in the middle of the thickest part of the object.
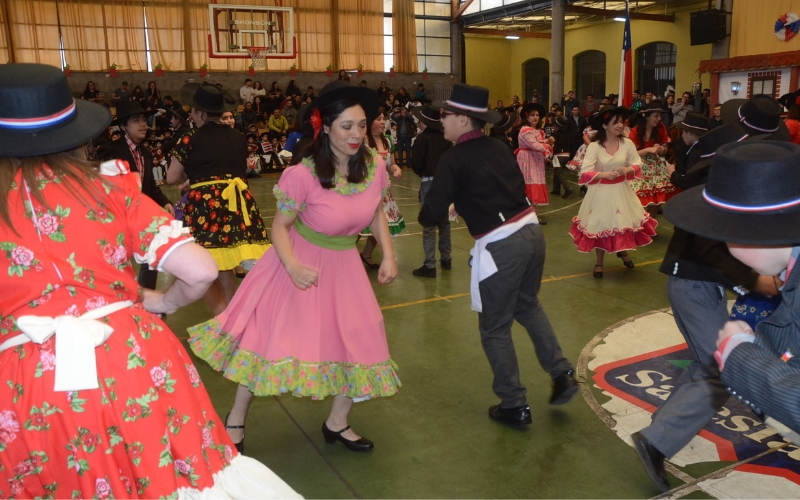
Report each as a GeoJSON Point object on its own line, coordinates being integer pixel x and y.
{"type": "Point", "coordinates": [656, 63]}
{"type": "Point", "coordinates": [590, 75]}
{"type": "Point", "coordinates": [537, 79]}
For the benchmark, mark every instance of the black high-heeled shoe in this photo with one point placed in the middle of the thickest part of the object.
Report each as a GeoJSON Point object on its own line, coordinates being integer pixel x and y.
{"type": "Point", "coordinates": [596, 273]}
{"type": "Point", "coordinates": [240, 445]}
{"type": "Point", "coordinates": [628, 263]}
{"type": "Point", "coordinates": [368, 264]}
{"type": "Point", "coordinates": [333, 436]}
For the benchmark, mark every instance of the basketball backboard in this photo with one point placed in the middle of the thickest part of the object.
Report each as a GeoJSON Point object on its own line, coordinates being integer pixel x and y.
{"type": "Point", "coordinates": [233, 28]}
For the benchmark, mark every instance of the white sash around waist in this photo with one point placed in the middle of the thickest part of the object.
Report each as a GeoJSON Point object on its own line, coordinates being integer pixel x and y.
{"type": "Point", "coordinates": [75, 365]}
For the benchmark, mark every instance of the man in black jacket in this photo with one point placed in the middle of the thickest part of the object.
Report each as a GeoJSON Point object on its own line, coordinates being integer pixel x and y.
{"type": "Point", "coordinates": [575, 126]}
{"type": "Point", "coordinates": [425, 153]}
{"type": "Point", "coordinates": [699, 270]}
{"type": "Point", "coordinates": [132, 121]}
{"type": "Point", "coordinates": [481, 177]}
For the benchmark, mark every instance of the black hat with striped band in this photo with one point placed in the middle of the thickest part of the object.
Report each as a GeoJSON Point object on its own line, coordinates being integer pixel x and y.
{"type": "Point", "coordinates": [39, 116]}
{"type": "Point", "coordinates": [752, 196]}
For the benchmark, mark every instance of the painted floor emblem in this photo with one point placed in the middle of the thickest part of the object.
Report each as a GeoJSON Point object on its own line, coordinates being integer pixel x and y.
{"type": "Point", "coordinates": [636, 364]}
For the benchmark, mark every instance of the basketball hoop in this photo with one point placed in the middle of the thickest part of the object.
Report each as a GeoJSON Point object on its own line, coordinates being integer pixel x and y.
{"type": "Point", "coordinates": [259, 56]}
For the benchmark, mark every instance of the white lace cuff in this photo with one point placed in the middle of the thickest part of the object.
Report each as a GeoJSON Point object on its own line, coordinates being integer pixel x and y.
{"type": "Point", "coordinates": [164, 235]}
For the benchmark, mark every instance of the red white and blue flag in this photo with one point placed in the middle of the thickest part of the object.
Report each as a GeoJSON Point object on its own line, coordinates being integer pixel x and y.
{"type": "Point", "coordinates": [626, 69]}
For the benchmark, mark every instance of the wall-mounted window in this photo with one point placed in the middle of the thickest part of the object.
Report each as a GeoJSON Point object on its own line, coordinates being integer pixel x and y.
{"type": "Point", "coordinates": [656, 62]}
{"type": "Point", "coordinates": [590, 75]}
{"type": "Point", "coordinates": [537, 80]}
{"type": "Point", "coordinates": [433, 35]}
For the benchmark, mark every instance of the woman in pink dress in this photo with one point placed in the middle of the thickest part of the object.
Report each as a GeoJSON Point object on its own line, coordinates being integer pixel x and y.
{"type": "Point", "coordinates": [531, 154]}
{"type": "Point", "coordinates": [611, 219]}
{"type": "Point", "coordinates": [305, 319]}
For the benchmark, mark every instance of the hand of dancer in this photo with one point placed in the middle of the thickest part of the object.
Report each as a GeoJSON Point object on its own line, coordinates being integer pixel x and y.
{"type": "Point", "coordinates": [153, 302]}
{"type": "Point", "coordinates": [768, 285]}
{"type": "Point", "coordinates": [303, 277]}
{"type": "Point", "coordinates": [397, 172]}
{"type": "Point", "coordinates": [387, 272]}
{"type": "Point", "coordinates": [670, 168]}
{"type": "Point", "coordinates": [732, 328]}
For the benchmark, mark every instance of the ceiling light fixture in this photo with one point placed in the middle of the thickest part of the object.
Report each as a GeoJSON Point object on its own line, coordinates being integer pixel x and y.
{"type": "Point", "coordinates": [620, 19]}
{"type": "Point", "coordinates": [512, 37]}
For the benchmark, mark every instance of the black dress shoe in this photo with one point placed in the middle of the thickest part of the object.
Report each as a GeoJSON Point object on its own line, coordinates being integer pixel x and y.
{"type": "Point", "coordinates": [567, 193]}
{"type": "Point", "coordinates": [333, 436]}
{"type": "Point", "coordinates": [652, 459]}
{"type": "Point", "coordinates": [518, 416]}
{"type": "Point", "coordinates": [425, 272]}
{"type": "Point", "coordinates": [564, 387]}
{"type": "Point", "coordinates": [447, 264]}
{"type": "Point", "coordinates": [240, 445]}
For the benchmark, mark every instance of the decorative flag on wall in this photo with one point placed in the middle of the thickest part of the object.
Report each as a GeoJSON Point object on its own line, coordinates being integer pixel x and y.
{"type": "Point", "coordinates": [626, 69]}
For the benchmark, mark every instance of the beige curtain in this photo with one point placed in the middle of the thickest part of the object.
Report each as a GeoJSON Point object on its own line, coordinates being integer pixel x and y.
{"type": "Point", "coordinates": [125, 34]}
{"type": "Point", "coordinates": [314, 35]}
{"type": "Point", "coordinates": [5, 52]}
{"type": "Point", "coordinates": [83, 32]}
{"type": "Point", "coordinates": [404, 33]}
{"type": "Point", "coordinates": [33, 25]}
{"type": "Point", "coordinates": [360, 34]}
{"type": "Point", "coordinates": [165, 31]}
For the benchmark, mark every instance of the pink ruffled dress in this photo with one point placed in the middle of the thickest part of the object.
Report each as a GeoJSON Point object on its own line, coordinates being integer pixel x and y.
{"type": "Point", "coordinates": [324, 341]}
{"type": "Point", "coordinates": [611, 217]}
{"type": "Point", "coordinates": [533, 149]}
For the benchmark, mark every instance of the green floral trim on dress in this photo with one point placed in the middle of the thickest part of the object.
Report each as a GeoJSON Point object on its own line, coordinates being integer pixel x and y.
{"type": "Point", "coordinates": [341, 185]}
{"type": "Point", "coordinates": [264, 377]}
{"type": "Point", "coordinates": [286, 203]}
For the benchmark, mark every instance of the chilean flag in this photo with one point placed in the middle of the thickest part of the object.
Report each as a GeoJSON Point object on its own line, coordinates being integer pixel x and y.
{"type": "Point", "coordinates": [626, 69]}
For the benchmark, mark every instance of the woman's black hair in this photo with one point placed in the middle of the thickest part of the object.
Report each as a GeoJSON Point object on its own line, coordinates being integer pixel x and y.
{"type": "Point", "coordinates": [601, 136]}
{"type": "Point", "coordinates": [641, 128]}
{"type": "Point", "coordinates": [324, 159]}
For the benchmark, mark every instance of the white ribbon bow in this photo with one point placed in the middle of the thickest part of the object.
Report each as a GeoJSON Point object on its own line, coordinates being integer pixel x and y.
{"type": "Point", "coordinates": [76, 338]}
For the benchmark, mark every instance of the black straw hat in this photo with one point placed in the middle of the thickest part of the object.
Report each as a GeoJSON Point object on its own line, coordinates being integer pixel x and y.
{"type": "Point", "coordinates": [759, 115]}
{"type": "Point", "coordinates": [710, 142]}
{"type": "Point", "coordinates": [39, 116]}
{"type": "Point", "coordinates": [654, 105]}
{"type": "Point", "coordinates": [752, 196]}
{"type": "Point", "coordinates": [429, 115]}
{"type": "Point", "coordinates": [471, 101]}
{"type": "Point", "coordinates": [179, 113]}
{"type": "Point", "coordinates": [341, 89]}
{"type": "Point", "coordinates": [207, 97]}
{"type": "Point", "coordinates": [561, 123]}
{"type": "Point", "coordinates": [530, 108]}
{"type": "Point", "coordinates": [695, 123]}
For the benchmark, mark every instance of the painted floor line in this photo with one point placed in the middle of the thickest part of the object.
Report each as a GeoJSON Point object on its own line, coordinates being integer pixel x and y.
{"type": "Point", "coordinates": [437, 298]}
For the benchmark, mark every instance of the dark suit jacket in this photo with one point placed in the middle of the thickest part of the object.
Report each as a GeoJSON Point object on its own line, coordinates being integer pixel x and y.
{"type": "Point", "coordinates": [118, 150]}
{"type": "Point", "coordinates": [429, 146]}
{"type": "Point", "coordinates": [755, 372]}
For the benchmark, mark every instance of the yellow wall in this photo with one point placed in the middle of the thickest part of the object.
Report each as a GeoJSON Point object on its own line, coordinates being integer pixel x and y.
{"type": "Point", "coordinates": [753, 25]}
{"type": "Point", "coordinates": [497, 63]}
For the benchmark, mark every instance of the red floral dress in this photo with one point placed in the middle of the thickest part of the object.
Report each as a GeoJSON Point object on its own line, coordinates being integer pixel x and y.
{"type": "Point", "coordinates": [654, 187]}
{"type": "Point", "coordinates": [149, 429]}
{"type": "Point", "coordinates": [531, 154]}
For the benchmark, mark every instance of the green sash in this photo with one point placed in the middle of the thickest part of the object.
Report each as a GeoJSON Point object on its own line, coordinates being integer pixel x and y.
{"type": "Point", "coordinates": [323, 240]}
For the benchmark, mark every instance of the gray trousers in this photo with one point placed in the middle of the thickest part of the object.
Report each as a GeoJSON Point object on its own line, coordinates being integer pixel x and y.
{"type": "Point", "coordinates": [429, 234]}
{"type": "Point", "coordinates": [508, 295]}
{"type": "Point", "coordinates": [701, 310]}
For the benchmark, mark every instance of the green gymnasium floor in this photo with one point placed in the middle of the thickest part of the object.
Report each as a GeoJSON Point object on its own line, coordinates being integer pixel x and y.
{"type": "Point", "coordinates": [434, 439]}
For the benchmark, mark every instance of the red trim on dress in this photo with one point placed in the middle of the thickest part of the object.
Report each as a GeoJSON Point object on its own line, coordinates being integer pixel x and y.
{"type": "Point", "coordinates": [614, 240]}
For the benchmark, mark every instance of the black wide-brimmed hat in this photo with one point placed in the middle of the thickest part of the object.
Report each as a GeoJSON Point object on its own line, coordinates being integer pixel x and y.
{"type": "Point", "coordinates": [695, 123]}
{"type": "Point", "coordinates": [752, 196]}
{"type": "Point", "coordinates": [710, 142]}
{"type": "Point", "coordinates": [654, 105]}
{"type": "Point", "coordinates": [505, 123]}
{"type": "Point", "coordinates": [207, 97]}
{"type": "Point", "coordinates": [429, 115]}
{"type": "Point", "coordinates": [561, 122]}
{"type": "Point", "coordinates": [530, 108]}
{"type": "Point", "coordinates": [337, 90]}
{"type": "Point", "coordinates": [471, 101]}
{"type": "Point", "coordinates": [126, 109]}
{"type": "Point", "coordinates": [39, 116]}
{"type": "Point", "coordinates": [179, 113]}
{"type": "Point", "coordinates": [605, 114]}
{"type": "Point", "coordinates": [759, 115]}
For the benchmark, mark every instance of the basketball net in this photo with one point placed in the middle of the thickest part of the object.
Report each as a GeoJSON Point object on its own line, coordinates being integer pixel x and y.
{"type": "Point", "coordinates": [259, 56]}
